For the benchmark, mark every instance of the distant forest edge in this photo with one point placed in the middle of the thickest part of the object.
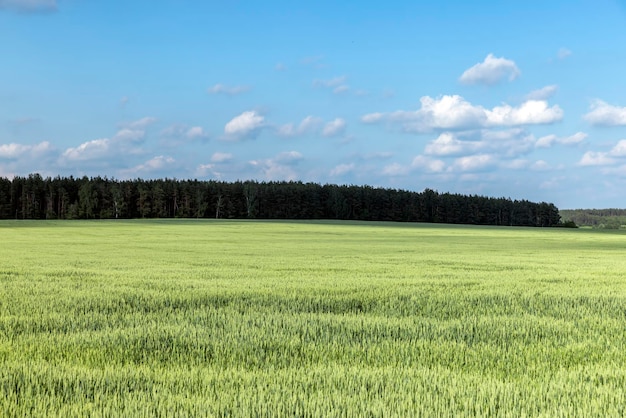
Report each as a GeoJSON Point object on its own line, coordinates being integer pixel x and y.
{"type": "Point", "coordinates": [35, 197]}
{"type": "Point", "coordinates": [596, 218]}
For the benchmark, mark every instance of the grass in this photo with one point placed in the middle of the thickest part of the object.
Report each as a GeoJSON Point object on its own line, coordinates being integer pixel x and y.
{"type": "Point", "coordinates": [243, 318]}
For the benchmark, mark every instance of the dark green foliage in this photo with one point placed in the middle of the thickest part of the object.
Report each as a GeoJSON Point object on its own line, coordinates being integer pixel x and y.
{"type": "Point", "coordinates": [568, 224]}
{"type": "Point", "coordinates": [597, 218]}
{"type": "Point", "coordinates": [100, 198]}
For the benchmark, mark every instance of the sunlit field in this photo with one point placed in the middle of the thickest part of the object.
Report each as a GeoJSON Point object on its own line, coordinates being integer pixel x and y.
{"type": "Point", "coordinates": [243, 318]}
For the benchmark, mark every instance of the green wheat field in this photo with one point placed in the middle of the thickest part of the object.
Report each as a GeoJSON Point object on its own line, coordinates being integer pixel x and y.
{"type": "Point", "coordinates": [316, 319]}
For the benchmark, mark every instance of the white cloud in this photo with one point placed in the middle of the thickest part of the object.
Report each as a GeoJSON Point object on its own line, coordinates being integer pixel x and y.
{"type": "Point", "coordinates": [448, 144]}
{"type": "Point", "coordinates": [428, 164]}
{"type": "Point", "coordinates": [505, 143]}
{"type": "Point", "coordinates": [546, 141]}
{"type": "Point", "coordinates": [97, 148]}
{"type": "Point", "coordinates": [13, 150]}
{"type": "Point", "coordinates": [619, 150]}
{"type": "Point", "coordinates": [140, 123]}
{"type": "Point", "coordinates": [549, 140]}
{"type": "Point", "coordinates": [577, 138]}
{"type": "Point", "coordinates": [123, 142]}
{"type": "Point", "coordinates": [372, 117]}
{"type": "Point", "coordinates": [156, 164]}
{"type": "Point", "coordinates": [335, 127]}
{"type": "Point", "coordinates": [540, 165]}
{"type": "Point", "coordinates": [491, 71]}
{"type": "Point", "coordinates": [280, 67]}
{"type": "Point", "coordinates": [203, 170]}
{"type": "Point", "coordinates": [130, 135]}
{"type": "Point", "coordinates": [310, 124]}
{"type": "Point", "coordinates": [563, 53]}
{"type": "Point", "coordinates": [477, 162]}
{"type": "Point", "coordinates": [396, 169]}
{"type": "Point", "coordinates": [516, 164]}
{"type": "Point", "coordinates": [596, 158]}
{"type": "Point", "coordinates": [196, 132]}
{"type": "Point", "coordinates": [179, 134]}
{"type": "Point", "coordinates": [280, 167]}
{"type": "Point", "coordinates": [228, 90]}
{"type": "Point", "coordinates": [342, 169]}
{"type": "Point", "coordinates": [288, 157]}
{"type": "Point", "coordinates": [531, 112]}
{"type": "Point", "coordinates": [617, 153]}
{"type": "Point", "coordinates": [543, 93]}
{"type": "Point", "coordinates": [29, 6]}
{"type": "Point", "coordinates": [420, 163]}
{"type": "Point", "coordinates": [604, 114]}
{"type": "Point", "coordinates": [455, 113]}
{"type": "Point", "coordinates": [248, 125]}
{"type": "Point", "coordinates": [221, 157]}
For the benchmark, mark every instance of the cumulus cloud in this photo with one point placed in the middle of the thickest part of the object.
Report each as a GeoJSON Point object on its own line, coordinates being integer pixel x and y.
{"type": "Point", "coordinates": [124, 142]}
{"type": "Point", "coordinates": [14, 151]}
{"type": "Point", "coordinates": [335, 127]}
{"type": "Point", "coordinates": [228, 90]}
{"type": "Point", "coordinates": [97, 148]}
{"type": "Point", "coordinates": [540, 165]}
{"type": "Point", "coordinates": [455, 113]}
{"type": "Point", "coordinates": [604, 114]}
{"type": "Point", "coordinates": [543, 93]}
{"type": "Point", "coordinates": [549, 140]}
{"type": "Point", "coordinates": [281, 167]}
{"type": "Point", "coordinates": [312, 125]}
{"type": "Point", "coordinates": [421, 164]}
{"type": "Point", "coordinates": [599, 158]}
{"type": "Point", "coordinates": [248, 125]}
{"type": "Point", "coordinates": [491, 71]}
{"type": "Point", "coordinates": [396, 169]}
{"type": "Point", "coordinates": [309, 125]}
{"type": "Point", "coordinates": [531, 112]}
{"type": "Point", "coordinates": [506, 143]}
{"type": "Point", "coordinates": [156, 164]}
{"type": "Point", "coordinates": [142, 123]}
{"type": "Point", "coordinates": [619, 150]}
{"type": "Point", "coordinates": [221, 157]}
{"type": "Point", "coordinates": [29, 6]}
{"type": "Point", "coordinates": [448, 144]}
{"type": "Point", "coordinates": [427, 164]}
{"type": "Point", "coordinates": [180, 134]}
{"type": "Point", "coordinates": [473, 163]}
{"type": "Point", "coordinates": [342, 169]}
{"type": "Point", "coordinates": [596, 158]}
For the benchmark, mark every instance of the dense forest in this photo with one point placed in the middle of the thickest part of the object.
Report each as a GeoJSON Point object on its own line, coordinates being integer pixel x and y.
{"type": "Point", "coordinates": [596, 218]}
{"type": "Point", "coordinates": [34, 197]}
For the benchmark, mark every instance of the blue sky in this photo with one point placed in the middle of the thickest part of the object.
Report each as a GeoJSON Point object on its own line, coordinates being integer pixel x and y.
{"type": "Point", "coordinates": [517, 99]}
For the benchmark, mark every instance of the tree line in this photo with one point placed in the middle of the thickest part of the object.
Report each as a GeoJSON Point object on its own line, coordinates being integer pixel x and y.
{"type": "Point", "coordinates": [597, 218]}
{"type": "Point", "coordinates": [35, 197]}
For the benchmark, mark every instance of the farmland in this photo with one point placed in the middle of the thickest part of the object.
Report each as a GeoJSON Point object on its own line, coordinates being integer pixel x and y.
{"type": "Point", "coordinates": [252, 318]}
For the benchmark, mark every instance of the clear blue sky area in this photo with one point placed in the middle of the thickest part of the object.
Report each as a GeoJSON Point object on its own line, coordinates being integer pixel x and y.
{"type": "Point", "coordinates": [517, 99]}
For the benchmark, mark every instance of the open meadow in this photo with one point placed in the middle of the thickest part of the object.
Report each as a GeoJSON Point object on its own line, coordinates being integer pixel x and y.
{"type": "Point", "coordinates": [253, 318]}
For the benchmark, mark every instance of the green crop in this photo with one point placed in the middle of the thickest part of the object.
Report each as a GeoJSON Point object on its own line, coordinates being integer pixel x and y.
{"type": "Point", "coordinates": [252, 318]}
